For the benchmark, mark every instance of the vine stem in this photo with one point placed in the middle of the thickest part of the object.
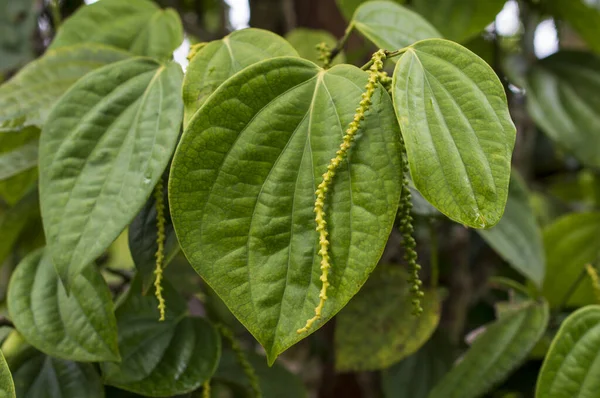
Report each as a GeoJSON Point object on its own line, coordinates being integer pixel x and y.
{"type": "Point", "coordinates": [341, 43]}
{"type": "Point", "coordinates": [160, 242]}
{"type": "Point", "coordinates": [388, 54]}
{"type": "Point", "coordinates": [56, 17]}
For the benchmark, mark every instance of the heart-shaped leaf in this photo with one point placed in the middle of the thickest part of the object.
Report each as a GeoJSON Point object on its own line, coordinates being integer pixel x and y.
{"type": "Point", "coordinates": [377, 329]}
{"type": "Point", "coordinates": [161, 358]}
{"type": "Point", "coordinates": [7, 386]}
{"type": "Point", "coordinates": [391, 26]}
{"type": "Point", "coordinates": [79, 327]}
{"type": "Point", "coordinates": [562, 99]}
{"type": "Point", "coordinates": [138, 26]}
{"type": "Point", "coordinates": [102, 150]}
{"type": "Point", "coordinates": [459, 136]}
{"type": "Point", "coordinates": [242, 192]}
{"type": "Point", "coordinates": [27, 98]}
{"type": "Point", "coordinates": [503, 346]}
{"type": "Point", "coordinates": [572, 366]}
{"type": "Point", "coordinates": [347, 7]}
{"type": "Point", "coordinates": [571, 242]}
{"type": "Point", "coordinates": [221, 59]}
{"type": "Point", "coordinates": [459, 20]}
{"type": "Point", "coordinates": [517, 237]}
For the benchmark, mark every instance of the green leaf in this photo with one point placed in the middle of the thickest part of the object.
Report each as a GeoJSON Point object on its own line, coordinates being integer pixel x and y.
{"type": "Point", "coordinates": [562, 99]}
{"type": "Point", "coordinates": [143, 235]}
{"type": "Point", "coordinates": [416, 375]}
{"type": "Point", "coordinates": [13, 188]}
{"type": "Point", "coordinates": [377, 329]}
{"type": "Point", "coordinates": [79, 327]}
{"type": "Point", "coordinates": [221, 59]}
{"type": "Point", "coordinates": [459, 20]}
{"type": "Point", "coordinates": [161, 358]}
{"type": "Point", "coordinates": [391, 26]}
{"type": "Point", "coordinates": [17, 24]}
{"type": "Point", "coordinates": [572, 367]}
{"type": "Point", "coordinates": [14, 221]}
{"type": "Point", "coordinates": [571, 242]}
{"type": "Point", "coordinates": [459, 136]}
{"type": "Point", "coordinates": [137, 26]}
{"type": "Point", "coordinates": [274, 381]}
{"type": "Point", "coordinates": [517, 237]}
{"type": "Point", "coordinates": [495, 354]}
{"type": "Point", "coordinates": [103, 149]}
{"type": "Point", "coordinates": [7, 387]}
{"type": "Point", "coordinates": [305, 41]}
{"type": "Point", "coordinates": [243, 209]}
{"type": "Point", "coordinates": [582, 15]}
{"type": "Point", "coordinates": [28, 97]}
{"type": "Point", "coordinates": [347, 7]}
{"type": "Point", "coordinates": [18, 160]}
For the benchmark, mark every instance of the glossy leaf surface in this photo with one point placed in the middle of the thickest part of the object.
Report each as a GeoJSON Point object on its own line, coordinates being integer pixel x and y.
{"type": "Point", "coordinates": [570, 242]}
{"type": "Point", "coordinates": [377, 329]}
{"type": "Point", "coordinates": [28, 97]}
{"type": "Point", "coordinates": [7, 386]}
{"type": "Point", "coordinates": [562, 98]}
{"type": "Point", "coordinates": [572, 367]}
{"type": "Point", "coordinates": [221, 59]}
{"type": "Point", "coordinates": [242, 192]}
{"type": "Point", "coordinates": [517, 237]}
{"type": "Point", "coordinates": [459, 136]}
{"type": "Point", "coordinates": [79, 327]}
{"type": "Point", "coordinates": [391, 26]}
{"type": "Point", "coordinates": [104, 147]}
{"type": "Point", "coordinates": [503, 346]}
{"type": "Point", "coordinates": [137, 26]}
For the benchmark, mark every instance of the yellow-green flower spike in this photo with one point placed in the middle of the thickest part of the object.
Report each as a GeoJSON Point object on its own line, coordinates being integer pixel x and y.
{"type": "Point", "coordinates": [324, 54]}
{"type": "Point", "coordinates": [334, 164]}
{"type": "Point", "coordinates": [593, 274]}
{"type": "Point", "coordinates": [206, 389]}
{"type": "Point", "coordinates": [160, 242]}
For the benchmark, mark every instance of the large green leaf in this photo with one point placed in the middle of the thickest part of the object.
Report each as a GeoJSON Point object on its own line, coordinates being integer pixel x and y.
{"type": "Point", "coordinates": [459, 20]}
{"type": "Point", "coordinates": [14, 221]}
{"type": "Point", "coordinates": [377, 329]}
{"type": "Point", "coordinates": [138, 26]}
{"type": "Point", "coordinates": [517, 237]}
{"type": "Point", "coordinates": [495, 354]}
{"type": "Point", "coordinates": [416, 375]}
{"type": "Point", "coordinates": [78, 327]}
{"type": "Point", "coordinates": [221, 59]}
{"type": "Point", "coordinates": [582, 15]}
{"type": "Point", "coordinates": [305, 41]}
{"type": "Point", "coordinates": [562, 99]}
{"type": "Point", "coordinates": [572, 367]}
{"type": "Point", "coordinates": [242, 192]}
{"type": "Point", "coordinates": [161, 358]}
{"type": "Point", "coordinates": [28, 97]}
{"type": "Point", "coordinates": [347, 7]}
{"type": "Point", "coordinates": [459, 136]}
{"type": "Point", "coordinates": [391, 26]}
{"type": "Point", "coordinates": [571, 242]}
{"type": "Point", "coordinates": [104, 147]}
{"type": "Point", "coordinates": [7, 386]}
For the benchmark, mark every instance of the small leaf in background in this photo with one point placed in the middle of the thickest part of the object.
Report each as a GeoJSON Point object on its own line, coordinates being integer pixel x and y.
{"type": "Point", "coordinates": [305, 41]}
{"type": "Point", "coordinates": [19, 181]}
{"type": "Point", "coordinates": [517, 237]}
{"type": "Point", "coordinates": [415, 376]}
{"type": "Point", "coordinates": [459, 135]}
{"type": "Point", "coordinates": [459, 20]}
{"type": "Point", "coordinates": [582, 15]}
{"type": "Point", "coordinates": [14, 221]}
{"type": "Point", "coordinates": [17, 24]}
{"type": "Point", "coordinates": [562, 98]}
{"type": "Point", "coordinates": [138, 26]}
{"type": "Point", "coordinates": [102, 151]}
{"type": "Point", "coordinates": [18, 160]}
{"type": "Point", "coordinates": [572, 367]}
{"type": "Point", "coordinates": [143, 237]}
{"type": "Point", "coordinates": [377, 329]}
{"type": "Point", "coordinates": [28, 97]}
{"type": "Point", "coordinates": [7, 386]}
{"type": "Point", "coordinates": [274, 381]}
{"type": "Point", "coordinates": [79, 327]}
{"type": "Point", "coordinates": [496, 353]}
{"type": "Point", "coordinates": [348, 7]}
{"type": "Point", "coordinates": [220, 59]}
{"type": "Point", "coordinates": [161, 358]}
{"type": "Point", "coordinates": [570, 242]}
{"type": "Point", "coordinates": [243, 211]}
{"type": "Point", "coordinates": [391, 26]}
